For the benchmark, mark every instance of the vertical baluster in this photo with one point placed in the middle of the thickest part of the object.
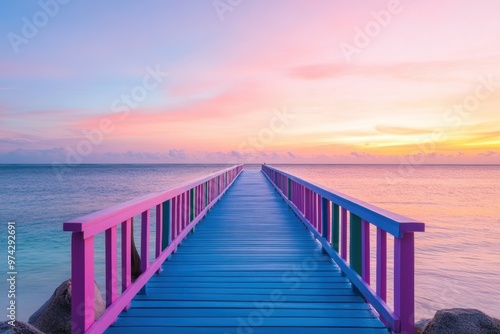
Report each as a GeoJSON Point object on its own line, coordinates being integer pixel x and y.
{"type": "Point", "coordinates": [297, 195]}
{"type": "Point", "coordinates": [312, 195]}
{"type": "Point", "coordinates": [182, 219]}
{"type": "Point", "coordinates": [210, 191]}
{"type": "Point", "coordinates": [178, 222]}
{"type": "Point", "coordinates": [294, 194]}
{"type": "Point", "coordinates": [309, 206]}
{"type": "Point", "coordinates": [183, 213]}
{"type": "Point", "coordinates": [335, 227]}
{"type": "Point", "coordinates": [299, 198]}
{"type": "Point", "coordinates": [404, 281]}
{"type": "Point", "coordinates": [199, 207]}
{"type": "Point", "coordinates": [198, 204]}
{"type": "Point", "coordinates": [306, 203]}
{"type": "Point", "coordinates": [313, 208]}
{"type": "Point", "coordinates": [191, 205]}
{"type": "Point", "coordinates": [145, 228]}
{"type": "Point", "coordinates": [162, 228]}
{"type": "Point", "coordinates": [319, 219]}
{"type": "Point", "coordinates": [365, 236]}
{"type": "Point", "coordinates": [355, 244]}
{"type": "Point", "coordinates": [188, 209]}
{"type": "Point", "coordinates": [82, 278]}
{"type": "Point", "coordinates": [343, 233]}
{"type": "Point", "coordinates": [183, 208]}
{"type": "Point", "coordinates": [326, 210]}
{"type": "Point", "coordinates": [303, 199]}
{"type": "Point", "coordinates": [382, 264]}
{"type": "Point", "coordinates": [206, 195]}
{"type": "Point", "coordinates": [175, 214]}
{"type": "Point", "coordinates": [111, 266]}
{"type": "Point", "coordinates": [126, 254]}
{"type": "Point", "coordinates": [306, 198]}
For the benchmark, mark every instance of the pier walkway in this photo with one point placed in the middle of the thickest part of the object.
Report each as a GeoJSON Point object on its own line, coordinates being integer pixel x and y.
{"type": "Point", "coordinates": [246, 252]}
{"type": "Point", "coordinates": [250, 267]}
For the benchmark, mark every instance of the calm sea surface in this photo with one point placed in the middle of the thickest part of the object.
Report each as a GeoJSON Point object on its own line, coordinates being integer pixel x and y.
{"type": "Point", "coordinates": [458, 257]}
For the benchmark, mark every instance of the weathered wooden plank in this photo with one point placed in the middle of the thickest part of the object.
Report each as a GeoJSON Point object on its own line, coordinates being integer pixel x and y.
{"type": "Point", "coordinates": [244, 312]}
{"type": "Point", "coordinates": [266, 321]}
{"type": "Point", "coordinates": [252, 304]}
{"type": "Point", "coordinates": [234, 330]}
{"type": "Point", "coordinates": [251, 297]}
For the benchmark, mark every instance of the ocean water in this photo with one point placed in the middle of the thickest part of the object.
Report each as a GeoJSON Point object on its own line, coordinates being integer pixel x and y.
{"type": "Point", "coordinates": [457, 258]}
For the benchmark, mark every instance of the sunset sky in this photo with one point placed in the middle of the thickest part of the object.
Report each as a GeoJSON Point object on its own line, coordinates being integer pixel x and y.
{"type": "Point", "coordinates": [309, 81]}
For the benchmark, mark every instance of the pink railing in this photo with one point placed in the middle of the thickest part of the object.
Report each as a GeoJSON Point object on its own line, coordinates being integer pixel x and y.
{"type": "Point", "coordinates": [177, 213]}
{"type": "Point", "coordinates": [329, 214]}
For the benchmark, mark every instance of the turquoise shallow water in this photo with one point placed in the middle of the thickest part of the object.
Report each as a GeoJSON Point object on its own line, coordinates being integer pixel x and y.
{"type": "Point", "coordinates": [458, 258]}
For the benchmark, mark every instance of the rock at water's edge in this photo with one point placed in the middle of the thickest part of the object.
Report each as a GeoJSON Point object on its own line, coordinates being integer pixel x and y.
{"type": "Point", "coordinates": [420, 325]}
{"type": "Point", "coordinates": [19, 328]}
{"type": "Point", "coordinates": [462, 321]}
{"type": "Point", "coordinates": [54, 317]}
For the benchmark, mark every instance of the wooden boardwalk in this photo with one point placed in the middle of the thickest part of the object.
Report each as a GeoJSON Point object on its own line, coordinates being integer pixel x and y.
{"type": "Point", "coordinates": [251, 267]}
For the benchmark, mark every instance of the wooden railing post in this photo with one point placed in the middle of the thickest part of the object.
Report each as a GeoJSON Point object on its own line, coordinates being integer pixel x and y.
{"type": "Point", "coordinates": [327, 219]}
{"type": "Point", "coordinates": [82, 281]}
{"type": "Point", "coordinates": [163, 235]}
{"type": "Point", "coordinates": [382, 264]}
{"type": "Point", "coordinates": [336, 227]}
{"type": "Point", "coordinates": [145, 228]}
{"type": "Point", "coordinates": [404, 282]}
{"type": "Point", "coordinates": [343, 234]}
{"type": "Point", "coordinates": [192, 204]}
{"type": "Point", "coordinates": [175, 215]}
{"type": "Point", "coordinates": [365, 251]}
{"type": "Point", "coordinates": [111, 266]}
{"type": "Point", "coordinates": [355, 255]}
{"type": "Point", "coordinates": [162, 224]}
{"type": "Point", "coordinates": [126, 254]}
{"type": "Point", "coordinates": [289, 188]}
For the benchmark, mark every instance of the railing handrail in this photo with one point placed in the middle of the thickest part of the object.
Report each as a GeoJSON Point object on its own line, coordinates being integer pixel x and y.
{"type": "Point", "coordinates": [390, 222]}
{"type": "Point", "coordinates": [99, 221]}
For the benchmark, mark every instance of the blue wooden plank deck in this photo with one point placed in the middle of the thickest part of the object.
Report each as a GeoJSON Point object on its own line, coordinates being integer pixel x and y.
{"type": "Point", "coordinates": [251, 267]}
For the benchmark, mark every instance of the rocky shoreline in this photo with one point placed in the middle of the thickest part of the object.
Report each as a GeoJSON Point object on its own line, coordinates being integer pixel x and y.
{"type": "Point", "coordinates": [458, 321]}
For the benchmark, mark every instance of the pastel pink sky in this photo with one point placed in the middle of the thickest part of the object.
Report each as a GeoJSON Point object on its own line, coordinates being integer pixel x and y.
{"type": "Point", "coordinates": [285, 81]}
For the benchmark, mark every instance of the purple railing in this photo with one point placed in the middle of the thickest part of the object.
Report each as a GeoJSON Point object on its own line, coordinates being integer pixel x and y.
{"type": "Point", "coordinates": [329, 214]}
{"type": "Point", "coordinates": [177, 212]}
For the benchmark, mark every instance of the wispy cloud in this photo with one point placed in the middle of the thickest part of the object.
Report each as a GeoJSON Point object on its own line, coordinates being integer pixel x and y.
{"type": "Point", "coordinates": [400, 130]}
